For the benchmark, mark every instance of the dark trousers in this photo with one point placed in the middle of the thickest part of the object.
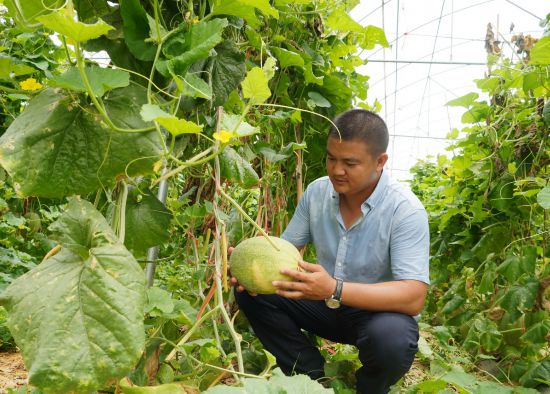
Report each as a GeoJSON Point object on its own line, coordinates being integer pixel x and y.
{"type": "Point", "coordinates": [387, 342]}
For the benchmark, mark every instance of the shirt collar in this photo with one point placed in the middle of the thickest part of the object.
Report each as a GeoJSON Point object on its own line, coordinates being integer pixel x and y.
{"type": "Point", "coordinates": [378, 192]}
{"type": "Point", "coordinates": [374, 198]}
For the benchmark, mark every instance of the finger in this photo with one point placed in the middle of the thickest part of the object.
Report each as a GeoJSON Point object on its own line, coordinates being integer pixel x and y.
{"type": "Point", "coordinates": [288, 285]}
{"type": "Point", "coordinates": [295, 295]}
{"type": "Point", "coordinates": [294, 274]}
{"type": "Point", "coordinates": [310, 267]}
{"type": "Point", "coordinates": [230, 250]}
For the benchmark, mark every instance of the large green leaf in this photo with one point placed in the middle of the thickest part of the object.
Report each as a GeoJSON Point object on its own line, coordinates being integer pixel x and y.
{"type": "Point", "coordinates": [255, 86]}
{"type": "Point", "coordinates": [463, 101]}
{"type": "Point", "coordinates": [11, 66]}
{"type": "Point", "coordinates": [287, 58]}
{"type": "Point", "coordinates": [134, 20]}
{"type": "Point", "coordinates": [59, 146]}
{"type": "Point", "coordinates": [63, 24]}
{"type": "Point", "coordinates": [520, 297]}
{"type": "Point", "coordinates": [236, 169]}
{"type": "Point", "coordinates": [227, 70]}
{"type": "Point", "coordinates": [532, 378]}
{"type": "Point", "coordinates": [147, 221]}
{"type": "Point", "coordinates": [101, 79]}
{"type": "Point", "coordinates": [26, 11]}
{"type": "Point", "coordinates": [339, 20]}
{"type": "Point", "coordinates": [78, 316]}
{"type": "Point", "coordinates": [245, 9]}
{"type": "Point", "coordinates": [538, 332]}
{"type": "Point", "coordinates": [540, 54]}
{"type": "Point", "coordinates": [87, 10]}
{"type": "Point", "coordinates": [196, 44]}
{"type": "Point", "coordinates": [543, 197]}
{"type": "Point", "coordinates": [373, 35]}
{"type": "Point", "coordinates": [280, 384]}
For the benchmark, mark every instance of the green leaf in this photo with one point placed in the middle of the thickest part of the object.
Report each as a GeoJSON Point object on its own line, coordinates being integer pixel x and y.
{"type": "Point", "coordinates": [236, 169]}
{"type": "Point", "coordinates": [134, 19]}
{"type": "Point", "coordinates": [488, 84]}
{"type": "Point", "coordinates": [374, 35]}
{"type": "Point", "coordinates": [459, 378]}
{"type": "Point", "coordinates": [279, 383]}
{"type": "Point", "coordinates": [543, 198]}
{"type": "Point", "coordinates": [158, 299]}
{"type": "Point", "coordinates": [194, 86]}
{"type": "Point", "coordinates": [195, 44]}
{"type": "Point", "coordinates": [101, 79]}
{"type": "Point", "coordinates": [255, 86]}
{"type": "Point", "coordinates": [147, 221]}
{"type": "Point", "coordinates": [521, 297]}
{"type": "Point", "coordinates": [489, 336]}
{"type": "Point", "coordinates": [168, 388]}
{"type": "Point", "coordinates": [537, 333]}
{"type": "Point", "coordinates": [463, 101]}
{"type": "Point", "coordinates": [10, 66]}
{"type": "Point", "coordinates": [287, 58]}
{"type": "Point", "coordinates": [178, 126]}
{"type": "Point", "coordinates": [63, 24]}
{"type": "Point", "coordinates": [541, 371]}
{"type": "Point", "coordinates": [477, 113]}
{"type": "Point", "coordinates": [318, 100]}
{"type": "Point", "coordinates": [431, 386]}
{"type": "Point", "coordinates": [227, 70]}
{"type": "Point", "coordinates": [78, 316]}
{"type": "Point", "coordinates": [540, 53]}
{"type": "Point", "coordinates": [88, 10]}
{"type": "Point", "coordinates": [339, 20]}
{"type": "Point", "coordinates": [310, 77]}
{"type": "Point", "coordinates": [510, 268]}
{"type": "Point", "coordinates": [150, 112]}
{"type": "Point", "coordinates": [492, 388]}
{"type": "Point", "coordinates": [453, 304]}
{"type": "Point", "coordinates": [25, 12]}
{"type": "Point", "coordinates": [58, 146]}
{"type": "Point", "coordinates": [245, 9]}
{"type": "Point", "coordinates": [234, 123]}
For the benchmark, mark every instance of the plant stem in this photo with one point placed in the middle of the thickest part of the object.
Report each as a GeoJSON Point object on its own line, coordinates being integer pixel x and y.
{"type": "Point", "coordinates": [245, 215]}
{"type": "Point", "coordinates": [186, 164]}
{"type": "Point", "coordinates": [100, 108]}
{"type": "Point", "coordinates": [218, 254]}
{"type": "Point", "coordinates": [191, 332]}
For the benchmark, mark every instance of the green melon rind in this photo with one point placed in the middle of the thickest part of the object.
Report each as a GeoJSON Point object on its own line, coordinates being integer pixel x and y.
{"type": "Point", "coordinates": [256, 263]}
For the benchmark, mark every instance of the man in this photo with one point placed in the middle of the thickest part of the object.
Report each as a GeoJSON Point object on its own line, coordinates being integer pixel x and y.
{"type": "Point", "coordinates": [371, 238]}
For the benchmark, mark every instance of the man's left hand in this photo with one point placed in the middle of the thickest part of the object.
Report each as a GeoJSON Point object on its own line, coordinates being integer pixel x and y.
{"type": "Point", "coordinates": [314, 284]}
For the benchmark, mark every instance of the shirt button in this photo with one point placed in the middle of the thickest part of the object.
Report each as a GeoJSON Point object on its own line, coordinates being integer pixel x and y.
{"type": "Point", "coordinates": [339, 264]}
{"type": "Point", "coordinates": [344, 238]}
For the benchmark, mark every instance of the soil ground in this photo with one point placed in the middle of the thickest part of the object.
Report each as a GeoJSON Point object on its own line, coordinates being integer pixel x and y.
{"type": "Point", "coordinates": [12, 372]}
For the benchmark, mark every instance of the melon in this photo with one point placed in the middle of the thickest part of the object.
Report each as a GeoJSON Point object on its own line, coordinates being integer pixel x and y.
{"type": "Point", "coordinates": [256, 263]}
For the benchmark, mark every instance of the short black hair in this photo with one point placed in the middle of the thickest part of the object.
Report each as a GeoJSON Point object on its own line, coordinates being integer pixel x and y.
{"type": "Point", "coordinates": [363, 125]}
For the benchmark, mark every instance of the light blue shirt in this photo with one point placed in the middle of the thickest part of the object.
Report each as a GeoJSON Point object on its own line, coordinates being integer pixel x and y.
{"type": "Point", "coordinates": [390, 241]}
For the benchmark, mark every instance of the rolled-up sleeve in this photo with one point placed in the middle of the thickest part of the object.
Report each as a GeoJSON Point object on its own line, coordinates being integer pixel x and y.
{"type": "Point", "coordinates": [410, 246]}
{"type": "Point", "coordinates": [298, 230]}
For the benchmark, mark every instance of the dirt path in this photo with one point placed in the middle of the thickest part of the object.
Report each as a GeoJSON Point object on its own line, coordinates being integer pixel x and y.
{"type": "Point", "coordinates": [12, 371]}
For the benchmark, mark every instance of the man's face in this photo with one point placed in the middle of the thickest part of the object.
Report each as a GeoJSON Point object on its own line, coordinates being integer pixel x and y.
{"type": "Point", "coordinates": [352, 169]}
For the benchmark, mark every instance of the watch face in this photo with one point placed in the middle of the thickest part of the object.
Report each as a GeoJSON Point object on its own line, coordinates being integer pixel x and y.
{"type": "Point", "coordinates": [332, 303]}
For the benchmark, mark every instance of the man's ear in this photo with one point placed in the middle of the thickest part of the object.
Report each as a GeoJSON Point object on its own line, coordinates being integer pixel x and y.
{"type": "Point", "coordinates": [381, 161]}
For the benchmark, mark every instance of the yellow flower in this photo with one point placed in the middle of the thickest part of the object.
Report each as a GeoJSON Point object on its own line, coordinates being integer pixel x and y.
{"type": "Point", "coordinates": [224, 136]}
{"type": "Point", "coordinates": [196, 20]}
{"type": "Point", "coordinates": [30, 84]}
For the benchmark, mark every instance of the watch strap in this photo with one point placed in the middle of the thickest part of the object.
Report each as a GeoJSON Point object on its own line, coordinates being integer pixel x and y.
{"type": "Point", "coordinates": [338, 292]}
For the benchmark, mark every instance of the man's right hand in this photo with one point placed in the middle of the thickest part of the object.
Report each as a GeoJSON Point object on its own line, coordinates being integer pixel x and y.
{"type": "Point", "coordinates": [233, 281]}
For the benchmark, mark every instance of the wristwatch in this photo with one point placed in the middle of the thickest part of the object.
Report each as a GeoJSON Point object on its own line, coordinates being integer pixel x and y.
{"type": "Point", "coordinates": [334, 301]}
